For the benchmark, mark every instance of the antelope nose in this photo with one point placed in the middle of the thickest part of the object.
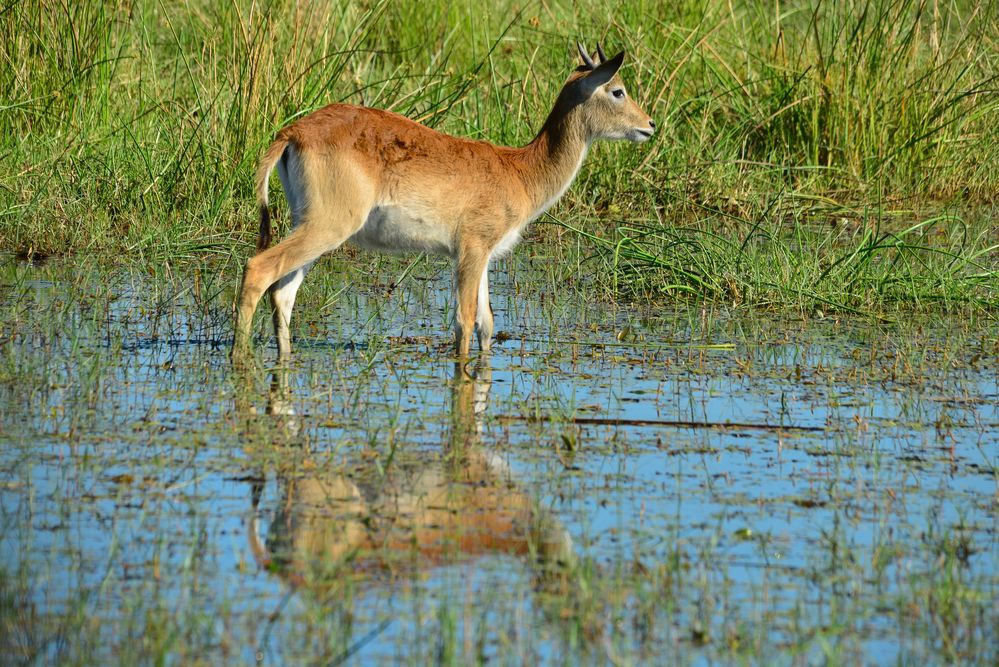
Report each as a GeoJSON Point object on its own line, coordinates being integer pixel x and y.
{"type": "Point", "coordinates": [652, 124]}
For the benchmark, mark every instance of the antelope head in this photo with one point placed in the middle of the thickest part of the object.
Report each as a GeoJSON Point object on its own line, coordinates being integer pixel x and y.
{"type": "Point", "coordinates": [595, 97]}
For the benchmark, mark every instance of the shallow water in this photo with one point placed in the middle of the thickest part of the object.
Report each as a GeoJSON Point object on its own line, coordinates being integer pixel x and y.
{"type": "Point", "coordinates": [609, 484]}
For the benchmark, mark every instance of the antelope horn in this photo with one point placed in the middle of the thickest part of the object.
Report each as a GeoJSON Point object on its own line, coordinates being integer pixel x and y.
{"type": "Point", "coordinates": [600, 53]}
{"type": "Point", "coordinates": [585, 56]}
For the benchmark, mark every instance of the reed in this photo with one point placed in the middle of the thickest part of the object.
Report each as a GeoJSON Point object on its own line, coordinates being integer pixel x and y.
{"type": "Point", "coordinates": [131, 129]}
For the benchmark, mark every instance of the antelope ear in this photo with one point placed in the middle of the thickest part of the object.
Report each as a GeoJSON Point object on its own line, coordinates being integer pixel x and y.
{"type": "Point", "coordinates": [603, 73]}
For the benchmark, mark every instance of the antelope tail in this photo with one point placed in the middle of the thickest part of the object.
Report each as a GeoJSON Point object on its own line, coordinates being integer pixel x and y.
{"type": "Point", "coordinates": [266, 166]}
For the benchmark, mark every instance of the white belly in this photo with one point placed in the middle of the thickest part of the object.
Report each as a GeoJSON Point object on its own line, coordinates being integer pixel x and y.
{"type": "Point", "coordinates": [392, 228]}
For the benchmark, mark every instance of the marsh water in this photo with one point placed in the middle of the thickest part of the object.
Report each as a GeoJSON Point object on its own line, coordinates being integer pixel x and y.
{"type": "Point", "coordinates": [612, 483]}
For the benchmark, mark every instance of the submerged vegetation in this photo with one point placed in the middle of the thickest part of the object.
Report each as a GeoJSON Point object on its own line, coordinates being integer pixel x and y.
{"type": "Point", "coordinates": [811, 154]}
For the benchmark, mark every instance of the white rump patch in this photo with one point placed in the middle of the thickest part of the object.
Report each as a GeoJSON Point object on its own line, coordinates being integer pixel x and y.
{"type": "Point", "coordinates": [289, 170]}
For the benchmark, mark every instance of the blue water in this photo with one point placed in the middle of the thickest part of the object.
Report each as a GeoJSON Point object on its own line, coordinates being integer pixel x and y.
{"type": "Point", "coordinates": [128, 469]}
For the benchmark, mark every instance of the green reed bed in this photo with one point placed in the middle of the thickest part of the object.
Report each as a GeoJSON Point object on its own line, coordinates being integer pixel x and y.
{"type": "Point", "coordinates": [870, 265]}
{"type": "Point", "coordinates": [133, 127]}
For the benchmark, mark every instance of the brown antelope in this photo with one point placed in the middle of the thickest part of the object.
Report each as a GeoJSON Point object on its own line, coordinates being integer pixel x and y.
{"type": "Point", "coordinates": [388, 183]}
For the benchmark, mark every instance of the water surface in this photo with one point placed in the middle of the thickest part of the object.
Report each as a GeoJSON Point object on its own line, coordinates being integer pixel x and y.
{"type": "Point", "coordinates": [612, 483]}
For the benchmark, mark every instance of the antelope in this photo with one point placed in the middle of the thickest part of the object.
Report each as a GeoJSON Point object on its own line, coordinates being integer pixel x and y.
{"type": "Point", "coordinates": [385, 182]}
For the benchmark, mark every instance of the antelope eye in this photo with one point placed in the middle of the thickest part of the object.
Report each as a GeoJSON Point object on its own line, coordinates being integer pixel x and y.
{"type": "Point", "coordinates": [618, 93]}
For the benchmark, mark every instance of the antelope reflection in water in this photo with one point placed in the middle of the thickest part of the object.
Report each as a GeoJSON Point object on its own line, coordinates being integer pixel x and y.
{"type": "Point", "coordinates": [434, 509]}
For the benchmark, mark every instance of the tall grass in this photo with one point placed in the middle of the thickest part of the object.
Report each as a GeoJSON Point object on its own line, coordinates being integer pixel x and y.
{"type": "Point", "coordinates": [134, 126]}
{"type": "Point", "coordinates": [853, 95]}
{"type": "Point", "coordinates": [872, 265]}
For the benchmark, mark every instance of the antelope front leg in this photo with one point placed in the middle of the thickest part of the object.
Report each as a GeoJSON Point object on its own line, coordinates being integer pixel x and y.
{"type": "Point", "coordinates": [471, 265]}
{"type": "Point", "coordinates": [484, 316]}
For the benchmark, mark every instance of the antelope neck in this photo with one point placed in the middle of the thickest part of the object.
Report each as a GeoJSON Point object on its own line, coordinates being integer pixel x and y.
{"type": "Point", "coordinates": [551, 160]}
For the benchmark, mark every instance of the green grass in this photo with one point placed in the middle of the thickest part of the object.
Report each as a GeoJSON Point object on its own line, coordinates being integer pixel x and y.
{"type": "Point", "coordinates": [875, 264]}
{"type": "Point", "coordinates": [133, 129]}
